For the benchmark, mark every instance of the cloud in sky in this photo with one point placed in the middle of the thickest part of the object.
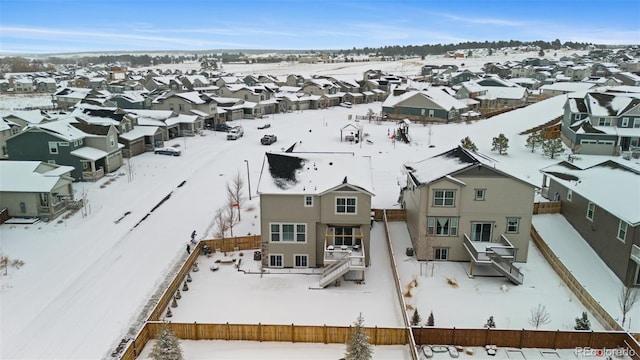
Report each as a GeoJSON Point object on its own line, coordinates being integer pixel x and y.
{"type": "Point", "coordinates": [72, 25]}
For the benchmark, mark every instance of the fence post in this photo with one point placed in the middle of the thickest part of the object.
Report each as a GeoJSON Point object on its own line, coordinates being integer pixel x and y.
{"type": "Point", "coordinates": [293, 340]}
{"type": "Point", "coordinates": [260, 332]}
{"type": "Point", "coordinates": [375, 330]}
{"type": "Point", "coordinates": [521, 339]}
{"type": "Point", "coordinates": [324, 333]}
{"type": "Point", "coordinates": [454, 335]}
{"type": "Point", "coordinates": [228, 332]}
{"type": "Point", "coordinates": [195, 330]}
{"type": "Point", "coordinates": [555, 339]}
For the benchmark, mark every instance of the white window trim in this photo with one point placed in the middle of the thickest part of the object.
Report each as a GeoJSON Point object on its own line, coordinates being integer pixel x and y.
{"type": "Point", "coordinates": [335, 208]}
{"type": "Point", "coordinates": [591, 207]}
{"type": "Point", "coordinates": [626, 229]}
{"type": "Point", "coordinates": [476, 197]}
{"type": "Point", "coordinates": [441, 248]}
{"type": "Point", "coordinates": [281, 256]}
{"type": "Point", "coordinates": [302, 255]}
{"type": "Point", "coordinates": [53, 145]}
{"type": "Point", "coordinates": [295, 233]}
{"type": "Point", "coordinates": [517, 225]}
{"type": "Point", "coordinates": [450, 222]}
{"type": "Point", "coordinates": [625, 122]}
{"type": "Point", "coordinates": [569, 195]}
{"type": "Point", "coordinates": [444, 197]}
{"type": "Point", "coordinates": [636, 123]}
{"type": "Point", "coordinates": [305, 201]}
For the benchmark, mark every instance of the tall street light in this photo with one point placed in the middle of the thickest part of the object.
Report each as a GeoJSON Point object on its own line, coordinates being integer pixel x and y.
{"type": "Point", "coordinates": [248, 179]}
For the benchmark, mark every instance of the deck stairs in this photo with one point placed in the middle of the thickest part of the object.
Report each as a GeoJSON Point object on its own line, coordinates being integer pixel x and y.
{"type": "Point", "coordinates": [334, 271]}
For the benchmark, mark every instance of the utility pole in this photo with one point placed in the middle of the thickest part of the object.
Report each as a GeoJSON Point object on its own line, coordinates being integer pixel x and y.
{"type": "Point", "coordinates": [248, 179]}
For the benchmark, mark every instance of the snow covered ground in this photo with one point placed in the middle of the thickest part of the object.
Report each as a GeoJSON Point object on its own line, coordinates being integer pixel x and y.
{"type": "Point", "coordinates": [86, 279]}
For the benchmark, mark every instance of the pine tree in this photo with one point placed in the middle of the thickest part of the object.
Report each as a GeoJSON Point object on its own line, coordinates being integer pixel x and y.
{"type": "Point", "coordinates": [358, 347]}
{"type": "Point", "coordinates": [430, 320]}
{"type": "Point", "coordinates": [490, 323]}
{"type": "Point", "coordinates": [167, 347]}
{"type": "Point", "coordinates": [534, 140]}
{"type": "Point", "coordinates": [582, 322]}
{"type": "Point", "coordinates": [468, 144]}
{"type": "Point", "coordinates": [552, 147]}
{"type": "Point", "coordinates": [415, 319]}
{"type": "Point", "coordinates": [500, 143]}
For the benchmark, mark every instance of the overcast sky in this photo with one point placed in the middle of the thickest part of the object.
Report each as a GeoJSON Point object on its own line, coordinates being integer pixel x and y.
{"type": "Point", "coordinates": [54, 26]}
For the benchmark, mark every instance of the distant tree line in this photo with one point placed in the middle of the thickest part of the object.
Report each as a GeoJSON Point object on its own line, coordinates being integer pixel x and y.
{"type": "Point", "coordinates": [19, 64]}
{"type": "Point", "coordinates": [439, 49]}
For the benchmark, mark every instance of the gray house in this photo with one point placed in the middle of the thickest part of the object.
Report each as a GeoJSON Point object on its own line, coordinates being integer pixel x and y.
{"type": "Point", "coordinates": [61, 142]}
{"type": "Point", "coordinates": [432, 104]}
{"type": "Point", "coordinates": [34, 188]}
{"type": "Point", "coordinates": [315, 210]}
{"type": "Point", "coordinates": [607, 217]}
{"type": "Point", "coordinates": [602, 123]}
{"type": "Point", "coordinates": [460, 207]}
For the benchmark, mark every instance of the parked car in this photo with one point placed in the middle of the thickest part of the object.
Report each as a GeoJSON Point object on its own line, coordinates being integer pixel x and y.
{"type": "Point", "coordinates": [265, 126]}
{"type": "Point", "coordinates": [167, 151]}
{"type": "Point", "coordinates": [346, 104]}
{"type": "Point", "coordinates": [268, 139]}
{"type": "Point", "coordinates": [235, 133]}
{"type": "Point", "coordinates": [222, 127]}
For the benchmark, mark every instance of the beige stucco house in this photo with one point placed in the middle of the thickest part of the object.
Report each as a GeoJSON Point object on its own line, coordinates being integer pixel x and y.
{"type": "Point", "coordinates": [460, 207]}
{"type": "Point", "coordinates": [315, 211]}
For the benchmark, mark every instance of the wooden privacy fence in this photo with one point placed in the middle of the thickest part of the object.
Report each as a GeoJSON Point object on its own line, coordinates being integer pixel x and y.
{"type": "Point", "coordinates": [548, 339]}
{"type": "Point", "coordinates": [551, 207]}
{"type": "Point", "coordinates": [279, 333]}
{"type": "Point", "coordinates": [392, 214]}
{"type": "Point", "coordinates": [573, 284]}
{"type": "Point", "coordinates": [231, 244]}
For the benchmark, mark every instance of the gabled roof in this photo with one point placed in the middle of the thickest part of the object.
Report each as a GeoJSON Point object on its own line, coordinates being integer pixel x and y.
{"type": "Point", "coordinates": [314, 173]}
{"type": "Point", "coordinates": [435, 95]}
{"type": "Point", "coordinates": [30, 176]}
{"type": "Point", "coordinates": [451, 163]}
{"type": "Point", "coordinates": [609, 184]}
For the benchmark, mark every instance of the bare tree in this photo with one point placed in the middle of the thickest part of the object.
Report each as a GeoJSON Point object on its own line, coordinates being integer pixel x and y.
{"type": "Point", "coordinates": [229, 214]}
{"type": "Point", "coordinates": [627, 299]}
{"type": "Point", "coordinates": [221, 223]}
{"type": "Point", "coordinates": [539, 316]}
{"type": "Point", "coordinates": [235, 191]}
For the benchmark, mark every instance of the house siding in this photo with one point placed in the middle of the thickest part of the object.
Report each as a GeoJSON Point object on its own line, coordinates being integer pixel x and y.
{"type": "Point", "coordinates": [505, 198]}
{"type": "Point", "coordinates": [600, 233]}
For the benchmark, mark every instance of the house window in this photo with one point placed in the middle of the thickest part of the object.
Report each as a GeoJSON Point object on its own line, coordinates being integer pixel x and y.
{"type": "Point", "coordinates": [112, 140]}
{"type": "Point", "coordinates": [288, 233]}
{"type": "Point", "coordinates": [444, 197]}
{"type": "Point", "coordinates": [63, 144]}
{"type": "Point", "coordinates": [569, 195]}
{"type": "Point", "coordinates": [171, 107]}
{"type": "Point", "coordinates": [180, 107]}
{"type": "Point", "coordinates": [51, 162]}
{"type": "Point", "coordinates": [343, 236]}
{"type": "Point", "coordinates": [622, 230]}
{"type": "Point", "coordinates": [345, 205]}
{"type": "Point", "coordinates": [604, 121]}
{"type": "Point", "coordinates": [441, 253]}
{"type": "Point", "coordinates": [625, 122]}
{"type": "Point", "coordinates": [636, 123]}
{"type": "Point", "coordinates": [246, 97]}
{"type": "Point", "coordinates": [480, 194]}
{"type": "Point", "coordinates": [79, 141]}
{"type": "Point", "coordinates": [442, 226]}
{"type": "Point", "coordinates": [53, 147]}
{"type": "Point", "coordinates": [275, 260]}
{"type": "Point", "coordinates": [590, 209]}
{"type": "Point", "coordinates": [301, 261]}
{"type": "Point", "coordinates": [576, 116]}
{"type": "Point", "coordinates": [308, 201]}
{"type": "Point", "coordinates": [75, 142]}
{"type": "Point", "coordinates": [513, 225]}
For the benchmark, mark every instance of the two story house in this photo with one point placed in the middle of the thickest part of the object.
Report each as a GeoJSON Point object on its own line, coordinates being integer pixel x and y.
{"type": "Point", "coordinates": [63, 142]}
{"type": "Point", "coordinates": [602, 123]}
{"type": "Point", "coordinates": [606, 216]}
{"type": "Point", "coordinates": [315, 210]}
{"type": "Point", "coordinates": [460, 207]}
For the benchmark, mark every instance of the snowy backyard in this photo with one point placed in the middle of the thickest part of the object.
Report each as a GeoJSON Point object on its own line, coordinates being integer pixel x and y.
{"type": "Point", "coordinates": [87, 280]}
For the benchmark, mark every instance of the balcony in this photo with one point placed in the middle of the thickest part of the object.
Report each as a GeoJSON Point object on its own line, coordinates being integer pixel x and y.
{"type": "Point", "coordinates": [483, 251]}
{"type": "Point", "coordinates": [334, 253]}
{"type": "Point", "coordinates": [93, 175]}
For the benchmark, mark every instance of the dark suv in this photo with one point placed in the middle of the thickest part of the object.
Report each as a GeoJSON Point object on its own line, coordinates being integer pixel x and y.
{"type": "Point", "coordinates": [268, 139]}
{"type": "Point", "coordinates": [222, 127]}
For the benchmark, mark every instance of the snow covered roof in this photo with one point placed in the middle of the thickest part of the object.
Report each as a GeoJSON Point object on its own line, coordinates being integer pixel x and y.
{"type": "Point", "coordinates": [594, 183]}
{"type": "Point", "coordinates": [449, 163]}
{"type": "Point", "coordinates": [62, 129]}
{"type": "Point", "coordinates": [314, 173]}
{"type": "Point", "coordinates": [30, 176]}
{"type": "Point", "coordinates": [436, 95]}
{"type": "Point", "coordinates": [567, 86]}
{"type": "Point", "coordinates": [89, 153]}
